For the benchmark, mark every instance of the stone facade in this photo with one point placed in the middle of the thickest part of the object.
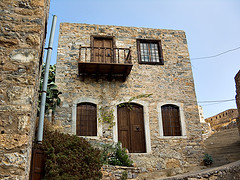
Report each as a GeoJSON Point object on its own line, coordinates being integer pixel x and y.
{"type": "Point", "coordinates": [223, 120]}
{"type": "Point", "coordinates": [171, 83]}
{"type": "Point", "coordinates": [237, 80]}
{"type": "Point", "coordinates": [22, 36]}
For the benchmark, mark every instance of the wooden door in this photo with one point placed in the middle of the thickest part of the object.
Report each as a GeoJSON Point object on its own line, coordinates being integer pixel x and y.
{"type": "Point", "coordinates": [131, 131]}
{"type": "Point", "coordinates": [37, 164]}
{"type": "Point", "coordinates": [103, 50]}
{"type": "Point", "coordinates": [86, 119]}
{"type": "Point", "coordinates": [171, 120]}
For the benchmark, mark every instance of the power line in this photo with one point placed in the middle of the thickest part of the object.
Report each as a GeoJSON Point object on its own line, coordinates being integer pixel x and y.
{"type": "Point", "coordinates": [207, 57]}
{"type": "Point", "coordinates": [210, 104]}
{"type": "Point", "coordinates": [226, 100]}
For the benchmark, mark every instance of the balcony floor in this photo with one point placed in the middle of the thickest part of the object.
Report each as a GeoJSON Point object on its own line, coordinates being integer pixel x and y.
{"type": "Point", "coordinates": [96, 68]}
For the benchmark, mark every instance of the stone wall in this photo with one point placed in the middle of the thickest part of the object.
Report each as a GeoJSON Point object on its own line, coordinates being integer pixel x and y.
{"type": "Point", "coordinates": [169, 83]}
{"type": "Point", "coordinates": [226, 172]}
{"type": "Point", "coordinates": [223, 120]}
{"type": "Point", "coordinates": [117, 172]}
{"type": "Point", "coordinates": [237, 80]}
{"type": "Point", "coordinates": [22, 36]}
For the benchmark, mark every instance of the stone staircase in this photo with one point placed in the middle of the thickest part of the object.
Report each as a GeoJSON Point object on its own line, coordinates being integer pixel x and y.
{"type": "Point", "coordinates": [224, 147]}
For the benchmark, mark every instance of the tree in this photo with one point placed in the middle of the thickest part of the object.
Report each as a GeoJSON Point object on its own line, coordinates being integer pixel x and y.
{"type": "Point", "coordinates": [52, 98]}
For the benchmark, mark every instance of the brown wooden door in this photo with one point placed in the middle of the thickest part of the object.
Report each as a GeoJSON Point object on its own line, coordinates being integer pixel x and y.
{"type": "Point", "coordinates": [103, 50]}
{"type": "Point", "coordinates": [86, 119]}
{"type": "Point", "coordinates": [131, 131]}
{"type": "Point", "coordinates": [171, 120]}
{"type": "Point", "coordinates": [37, 164]}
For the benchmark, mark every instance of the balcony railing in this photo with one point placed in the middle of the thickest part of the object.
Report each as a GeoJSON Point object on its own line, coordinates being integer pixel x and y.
{"type": "Point", "coordinates": [96, 61]}
{"type": "Point", "coordinates": [105, 55]}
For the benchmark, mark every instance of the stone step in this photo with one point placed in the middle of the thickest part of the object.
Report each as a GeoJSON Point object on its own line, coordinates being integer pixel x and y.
{"type": "Point", "coordinates": [223, 146]}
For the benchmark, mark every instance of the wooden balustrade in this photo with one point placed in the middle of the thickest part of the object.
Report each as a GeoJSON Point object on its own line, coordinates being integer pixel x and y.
{"type": "Point", "coordinates": [105, 55]}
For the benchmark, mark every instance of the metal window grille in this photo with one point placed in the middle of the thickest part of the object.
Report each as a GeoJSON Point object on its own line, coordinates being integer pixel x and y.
{"type": "Point", "coordinates": [150, 52]}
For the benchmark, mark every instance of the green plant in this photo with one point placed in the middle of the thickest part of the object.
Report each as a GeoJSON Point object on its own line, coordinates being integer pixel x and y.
{"type": "Point", "coordinates": [207, 160]}
{"type": "Point", "coordinates": [128, 103]}
{"type": "Point", "coordinates": [106, 113]}
{"type": "Point", "coordinates": [52, 97]}
{"type": "Point", "coordinates": [106, 116]}
{"type": "Point", "coordinates": [124, 175]}
{"type": "Point", "coordinates": [70, 157]}
{"type": "Point", "coordinates": [114, 154]}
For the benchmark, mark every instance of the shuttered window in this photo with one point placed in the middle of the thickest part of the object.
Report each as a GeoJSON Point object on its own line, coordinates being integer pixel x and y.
{"type": "Point", "coordinates": [149, 52]}
{"type": "Point", "coordinates": [171, 120]}
{"type": "Point", "coordinates": [86, 119]}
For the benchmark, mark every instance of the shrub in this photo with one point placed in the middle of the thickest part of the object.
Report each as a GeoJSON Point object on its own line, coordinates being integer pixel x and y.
{"type": "Point", "coordinates": [124, 175]}
{"type": "Point", "coordinates": [70, 157]}
{"type": "Point", "coordinates": [207, 159]}
{"type": "Point", "coordinates": [114, 154]}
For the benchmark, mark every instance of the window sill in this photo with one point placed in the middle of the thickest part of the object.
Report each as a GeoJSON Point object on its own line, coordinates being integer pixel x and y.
{"type": "Point", "coordinates": [90, 137]}
{"type": "Point", "coordinates": [173, 137]}
{"type": "Point", "coordinates": [151, 63]}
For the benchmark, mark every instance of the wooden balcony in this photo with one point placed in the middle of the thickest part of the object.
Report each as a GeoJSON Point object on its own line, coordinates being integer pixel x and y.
{"type": "Point", "coordinates": [113, 62]}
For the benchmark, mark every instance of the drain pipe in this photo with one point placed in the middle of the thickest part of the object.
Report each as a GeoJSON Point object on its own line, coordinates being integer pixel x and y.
{"type": "Point", "coordinates": [45, 82]}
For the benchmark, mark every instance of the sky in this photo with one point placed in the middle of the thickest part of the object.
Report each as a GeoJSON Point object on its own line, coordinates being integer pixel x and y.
{"type": "Point", "coordinates": [212, 28]}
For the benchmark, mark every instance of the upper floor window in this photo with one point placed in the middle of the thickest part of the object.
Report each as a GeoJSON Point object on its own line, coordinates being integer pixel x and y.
{"type": "Point", "coordinates": [149, 52]}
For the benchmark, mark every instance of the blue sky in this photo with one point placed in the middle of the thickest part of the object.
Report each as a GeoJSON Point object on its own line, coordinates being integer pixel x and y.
{"type": "Point", "coordinates": [211, 26]}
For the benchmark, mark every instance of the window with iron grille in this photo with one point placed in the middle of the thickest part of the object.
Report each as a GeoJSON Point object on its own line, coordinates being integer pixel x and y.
{"type": "Point", "coordinates": [149, 52]}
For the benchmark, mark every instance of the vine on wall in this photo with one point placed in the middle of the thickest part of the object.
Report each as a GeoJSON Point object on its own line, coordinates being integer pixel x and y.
{"type": "Point", "coordinates": [106, 112]}
{"type": "Point", "coordinates": [106, 116]}
{"type": "Point", "coordinates": [128, 103]}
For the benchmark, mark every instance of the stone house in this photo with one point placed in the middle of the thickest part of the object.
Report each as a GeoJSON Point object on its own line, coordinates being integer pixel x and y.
{"type": "Point", "coordinates": [22, 38]}
{"type": "Point", "coordinates": [140, 81]}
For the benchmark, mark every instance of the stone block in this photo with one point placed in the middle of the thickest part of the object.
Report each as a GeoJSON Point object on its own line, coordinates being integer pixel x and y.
{"type": "Point", "coordinates": [13, 141]}
{"type": "Point", "coordinates": [8, 42]}
{"type": "Point", "coordinates": [23, 55]}
{"type": "Point", "coordinates": [20, 95]}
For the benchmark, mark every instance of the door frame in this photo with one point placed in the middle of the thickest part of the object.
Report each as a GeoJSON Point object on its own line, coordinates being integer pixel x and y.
{"type": "Point", "coordinates": [145, 118]}
{"type": "Point", "coordinates": [92, 37]}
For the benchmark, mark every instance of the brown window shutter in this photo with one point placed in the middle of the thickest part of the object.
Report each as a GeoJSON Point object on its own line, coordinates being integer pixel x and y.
{"type": "Point", "coordinates": [86, 119]}
{"type": "Point", "coordinates": [171, 120]}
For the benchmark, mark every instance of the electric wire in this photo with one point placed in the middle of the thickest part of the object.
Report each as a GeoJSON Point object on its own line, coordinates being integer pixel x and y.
{"type": "Point", "coordinates": [225, 100]}
{"type": "Point", "coordinates": [207, 57]}
{"type": "Point", "coordinates": [209, 103]}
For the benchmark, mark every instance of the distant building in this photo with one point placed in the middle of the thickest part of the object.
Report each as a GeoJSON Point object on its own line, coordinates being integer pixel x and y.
{"type": "Point", "coordinates": [200, 109]}
{"type": "Point", "coordinates": [206, 129]}
{"type": "Point", "coordinates": [223, 120]}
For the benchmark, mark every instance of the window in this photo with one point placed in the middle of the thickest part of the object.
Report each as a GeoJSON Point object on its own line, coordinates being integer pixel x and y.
{"type": "Point", "coordinates": [171, 120]}
{"type": "Point", "coordinates": [149, 52]}
{"type": "Point", "coordinates": [86, 124]}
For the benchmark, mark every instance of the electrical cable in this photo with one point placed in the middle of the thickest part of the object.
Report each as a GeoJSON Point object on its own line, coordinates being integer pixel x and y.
{"type": "Point", "coordinates": [207, 57]}
{"type": "Point", "coordinates": [225, 100]}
